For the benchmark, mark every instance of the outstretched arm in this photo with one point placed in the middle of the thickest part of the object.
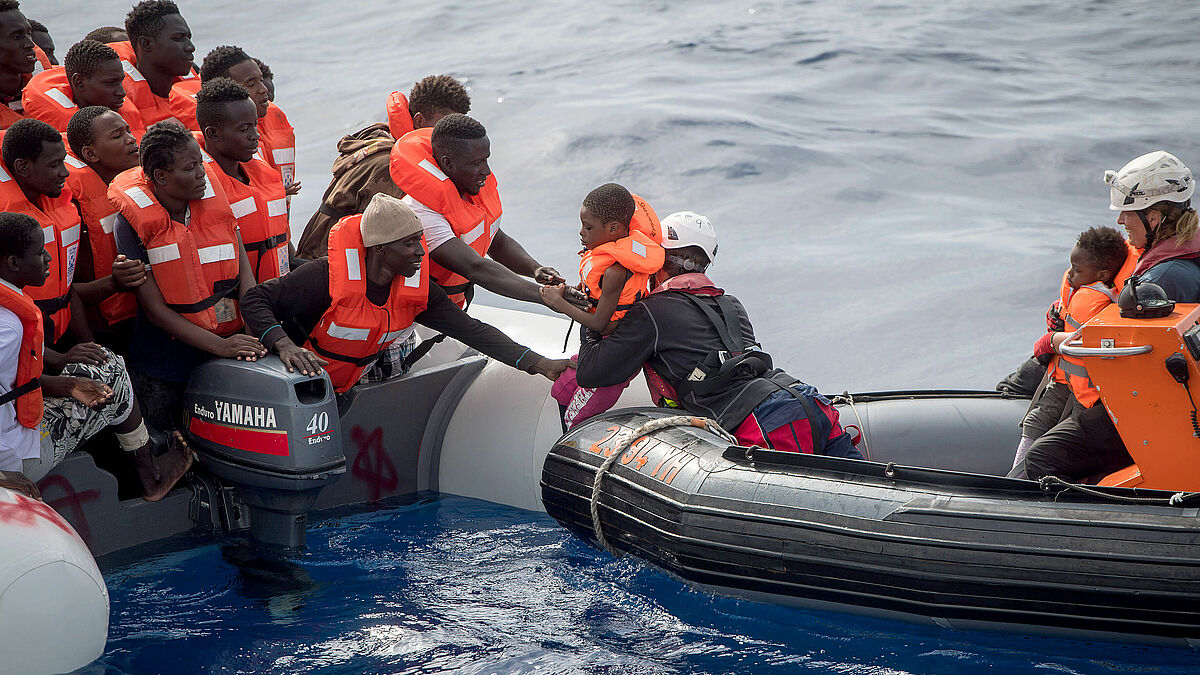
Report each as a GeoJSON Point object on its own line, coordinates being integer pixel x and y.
{"type": "Point", "coordinates": [506, 251]}
{"type": "Point", "coordinates": [457, 257]}
{"type": "Point", "coordinates": [612, 283]}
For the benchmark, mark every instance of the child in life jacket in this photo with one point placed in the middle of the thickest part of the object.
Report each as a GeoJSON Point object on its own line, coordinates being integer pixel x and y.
{"type": "Point", "coordinates": [622, 247]}
{"type": "Point", "coordinates": [1089, 286]}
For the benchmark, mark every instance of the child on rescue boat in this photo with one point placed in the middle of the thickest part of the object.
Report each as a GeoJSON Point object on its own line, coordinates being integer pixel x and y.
{"type": "Point", "coordinates": [1089, 287]}
{"type": "Point", "coordinates": [622, 240]}
{"type": "Point", "coordinates": [622, 247]}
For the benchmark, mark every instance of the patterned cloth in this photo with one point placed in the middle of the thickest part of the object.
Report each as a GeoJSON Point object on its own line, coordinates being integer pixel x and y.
{"type": "Point", "coordinates": [391, 361]}
{"type": "Point", "coordinates": [67, 423]}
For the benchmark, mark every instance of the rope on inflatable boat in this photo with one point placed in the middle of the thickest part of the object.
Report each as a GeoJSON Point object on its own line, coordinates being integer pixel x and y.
{"type": "Point", "coordinates": [848, 398]}
{"type": "Point", "coordinates": [1176, 499]}
{"type": "Point", "coordinates": [626, 440]}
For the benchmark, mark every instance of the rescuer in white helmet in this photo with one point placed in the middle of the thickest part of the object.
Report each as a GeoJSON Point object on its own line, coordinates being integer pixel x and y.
{"type": "Point", "coordinates": [1153, 197]}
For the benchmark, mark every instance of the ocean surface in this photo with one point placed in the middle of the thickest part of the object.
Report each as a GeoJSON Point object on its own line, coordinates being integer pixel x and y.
{"type": "Point", "coordinates": [896, 187]}
{"type": "Point", "coordinates": [463, 586]}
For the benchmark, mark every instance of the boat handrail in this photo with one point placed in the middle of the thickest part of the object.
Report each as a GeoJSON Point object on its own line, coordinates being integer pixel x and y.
{"type": "Point", "coordinates": [1076, 348]}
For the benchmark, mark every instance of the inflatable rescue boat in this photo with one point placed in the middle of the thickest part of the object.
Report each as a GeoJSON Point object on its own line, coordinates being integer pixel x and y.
{"type": "Point", "coordinates": [927, 529]}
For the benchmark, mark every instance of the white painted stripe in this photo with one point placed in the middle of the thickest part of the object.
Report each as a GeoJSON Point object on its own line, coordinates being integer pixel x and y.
{"type": "Point", "coordinates": [344, 333]}
{"type": "Point", "coordinates": [284, 155]}
{"type": "Point", "coordinates": [478, 231]}
{"type": "Point", "coordinates": [70, 235]}
{"type": "Point", "coordinates": [277, 207]}
{"type": "Point", "coordinates": [432, 169]}
{"type": "Point", "coordinates": [47, 235]}
{"type": "Point", "coordinates": [107, 223]}
{"type": "Point", "coordinates": [60, 98]}
{"type": "Point", "coordinates": [353, 267]}
{"type": "Point", "coordinates": [414, 281]}
{"type": "Point", "coordinates": [212, 254]}
{"type": "Point", "coordinates": [132, 72]}
{"type": "Point", "coordinates": [163, 254]}
{"type": "Point", "coordinates": [72, 161]}
{"type": "Point", "coordinates": [139, 197]}
{"type": "Point", "coordinates": [638, 248]}
{"type": "Point", "coordinates": [244, 207]}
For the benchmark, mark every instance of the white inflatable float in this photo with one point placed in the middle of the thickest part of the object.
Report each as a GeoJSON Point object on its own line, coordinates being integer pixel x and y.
{"type": "Point", "coordinates": [53, 601]}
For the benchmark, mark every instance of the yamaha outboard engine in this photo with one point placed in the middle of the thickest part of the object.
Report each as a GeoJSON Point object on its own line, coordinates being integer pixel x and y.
{"type": "Point", "coordinates": [272, 435]}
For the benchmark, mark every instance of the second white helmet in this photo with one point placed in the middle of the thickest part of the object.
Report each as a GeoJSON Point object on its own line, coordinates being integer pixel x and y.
{"type": "Point", "coordinates": [688, 228]}
{"type": "Point", "coordinates": [1154, 177]}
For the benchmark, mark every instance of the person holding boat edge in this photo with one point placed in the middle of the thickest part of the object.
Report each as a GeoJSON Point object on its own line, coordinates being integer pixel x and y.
{"type": "Point", "coordinates": [700, 355]}
{"type": "Point", "coordinates": [348, 308]}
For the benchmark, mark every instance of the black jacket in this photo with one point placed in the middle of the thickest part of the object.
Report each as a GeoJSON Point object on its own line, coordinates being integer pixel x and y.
{"type": "Point", "coordinates": [669, 333]}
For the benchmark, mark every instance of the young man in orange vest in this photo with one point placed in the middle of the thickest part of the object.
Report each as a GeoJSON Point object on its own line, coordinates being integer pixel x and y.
{"type": "Point", "coordinates": [44, 416]}
{"type": "Point", "coordinates": [174, 216]}
{"type": "Point", "coordinates": [157, 57]}
{"type": "Point", "coordinates": [33, 181]}
{"type": "Point", "coordinates": [90, 75]}
{"type": "Point", "coordinates": [445, 175]}
{"type": "Point", "coordinates": [348, 308]}
{"type": "Point", "coordinates": [277, 142]}
{"type": "Point", "coordinates": [103, 147]}
{"type": "Point", "coordinates": [255, 191]}
{"type": "Point", "coordinates": [18, 58]}
{"type": "Point", "coordinates": [361, 169]}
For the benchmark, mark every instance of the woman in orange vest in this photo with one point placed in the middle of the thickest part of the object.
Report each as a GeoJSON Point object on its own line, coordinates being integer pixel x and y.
{"type": "Point", "coordinates": [1100, 256]}
{"type": "Point", "coordinates": [90, 75]}
{"type": "Point", "coordinates": [157, 58]}
{"type": "Point", "coordinates": [445, 175]}
{"type": "Point", "coordinates": [45, 412]}
{"type": "Point", "coordinates": [102, 147]}
{"type": "Point", "coordinates": [255, 190]}
{"type": "Point", "coordinates": [174, 217]}
{"type": "Point", "coordinates": [348, 308]}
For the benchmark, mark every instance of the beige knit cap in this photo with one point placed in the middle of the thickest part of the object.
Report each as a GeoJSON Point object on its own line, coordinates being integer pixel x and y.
{"type": "Point", "coordinates": [387, 219]}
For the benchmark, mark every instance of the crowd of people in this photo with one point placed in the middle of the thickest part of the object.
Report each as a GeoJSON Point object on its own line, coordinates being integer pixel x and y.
{"type": "Point", "coordinates": [146, 228]}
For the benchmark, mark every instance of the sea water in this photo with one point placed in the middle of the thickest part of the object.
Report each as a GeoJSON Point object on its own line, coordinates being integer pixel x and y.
{"type": "Point", "coordinates": [464, 586]}
{"type": "Point", "coordinates": [896, 186]}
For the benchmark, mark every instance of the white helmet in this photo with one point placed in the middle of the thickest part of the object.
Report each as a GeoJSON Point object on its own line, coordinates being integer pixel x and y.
{"type": "Point", "coordinates": [1154, 177]}
{"type": "Point", "coordinates": [688, 228]}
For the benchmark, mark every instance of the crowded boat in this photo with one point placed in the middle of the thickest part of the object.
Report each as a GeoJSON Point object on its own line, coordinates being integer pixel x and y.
{"type": "Point", "coordinates": [164, 318]}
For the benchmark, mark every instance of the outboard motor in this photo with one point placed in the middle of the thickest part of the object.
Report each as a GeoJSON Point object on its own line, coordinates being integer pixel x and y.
{"type": "Point", "coordinates": [273, 435]}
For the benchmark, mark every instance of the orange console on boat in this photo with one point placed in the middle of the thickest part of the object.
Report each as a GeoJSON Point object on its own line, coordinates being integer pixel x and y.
{"type": "Point", "coordinates": [1144, 369]}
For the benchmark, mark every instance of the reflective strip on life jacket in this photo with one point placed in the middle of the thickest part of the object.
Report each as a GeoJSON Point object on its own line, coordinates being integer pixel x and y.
{"type": "Point", "coordinates": [637, 253]}
{"type": "Point", "coordinates": [179, 104]}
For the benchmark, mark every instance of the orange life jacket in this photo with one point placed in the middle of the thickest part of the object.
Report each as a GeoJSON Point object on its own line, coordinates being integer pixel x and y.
{"type": "Point", "coordinates": [48, 97]}
{"type": "Point", "coordinates": [398, 117]}
{"type": "Point", "coordinates": [179, 104]}
{"type": "Point", "coordinates": [1080, 307]}
{"type": "Point", "coordinates": [353, 332]}
{"type": "Point", "coordinates": [90, 194]}
{"type": "Point", "coordinates": [277, 141]}
{"type": "Point", "coordinates": [471, 217]}
{"type": "Point", "coordinates": [1064, 298]}
{"type": "Point", "coordinates": [26, 392]}
{"type": "Point", "coordinates": [261, 212]}
{"type": "Point", "coordinates": [60, 228]}
{"type": "Point", "coordinates": [196, 265]}
{"type": "Point", "coordinates": [641, 253]}
{"type": "Point", "coordinates": [43, 61]}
